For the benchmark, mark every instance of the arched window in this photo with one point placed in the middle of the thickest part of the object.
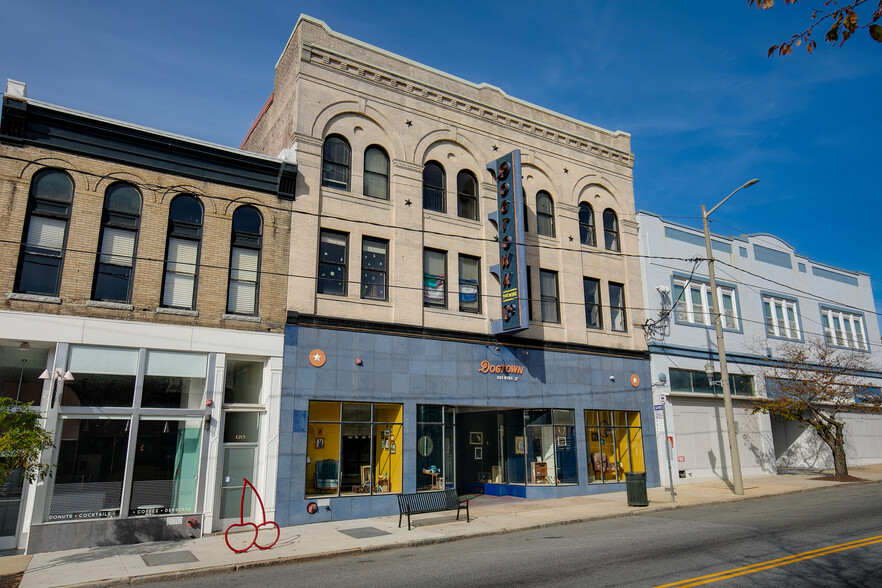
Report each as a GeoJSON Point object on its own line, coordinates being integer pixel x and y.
{"type": "Point", "coordinates": [39, 265]}
{"type": "Point", "coordinates": [376, 173]}
{"type": "Point", "coordinates": [336, 160]}
{"type": "Point", "coordinates": [611, 230]}
{"type": "Point", "coordinates": [245, 261]}
{"type": "Point", "coordinates": [119, 239]}
{"type": "Point", "coordinates": [586, 225]}
{"type": "Point", "coordinates": [467, 194]}
{"type": "Point", "coordinates": [182, 253]}
{"type": "Point", "coordinates": [544, 214]}
{"type": "Point", "coordinates": [434, 181]}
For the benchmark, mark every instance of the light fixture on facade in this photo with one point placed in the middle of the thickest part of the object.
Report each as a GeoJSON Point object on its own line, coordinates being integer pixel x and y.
{"type": "Point", "coordinates": [25, 346]}
{"type": "Point", "coordinates": [55, 376]}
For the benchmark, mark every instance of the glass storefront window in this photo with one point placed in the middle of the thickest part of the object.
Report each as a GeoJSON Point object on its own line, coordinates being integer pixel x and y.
{"type": "Point", "coordinates": [435, 464]}
{"type": "Point", "coordinates": [166, 467]}
{"type": "Point", "coordinates": [354, 448]}
{"type": "Point", "coordinates": [91, 464]}
{"type": "Point", "coordinates": [615, 444]}
{"type": "Point", "coordinates": [244, 380]}
{"type": "Point", "coordinates": [103, 376]}
{"type": "Point", "coordinates": [20, 371]}
{"type": "Point", "coordinates": [549, 446]}
{"type": "Point", "coordinates": [174, 380]}
{"type": "Point", "coordinates": [144, 457]}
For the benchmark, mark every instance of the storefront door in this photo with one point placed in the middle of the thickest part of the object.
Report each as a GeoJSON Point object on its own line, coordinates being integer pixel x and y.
{"type": "Point", "coordinates": [10, 510]}
{"type": "Point", "coordinates": [240, 460]}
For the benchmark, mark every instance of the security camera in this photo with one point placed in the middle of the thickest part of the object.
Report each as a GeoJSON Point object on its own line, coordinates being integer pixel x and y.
{"type": "Point", "coordinates": [612, 378]}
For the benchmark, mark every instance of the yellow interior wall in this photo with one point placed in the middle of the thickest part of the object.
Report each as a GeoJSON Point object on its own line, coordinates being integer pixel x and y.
{"type": "Point", "coordinates": [636, 442]}
{"type": "Point", "coordinates": [324, 411]}
{"type": "Point", "coordinates": [330, 432]}
{"type": "Point", "coordinates": [387, 462]}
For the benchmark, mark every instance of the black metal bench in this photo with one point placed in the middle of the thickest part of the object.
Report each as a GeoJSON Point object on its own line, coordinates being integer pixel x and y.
{"type": "Point", "coordinates": [424, 502]}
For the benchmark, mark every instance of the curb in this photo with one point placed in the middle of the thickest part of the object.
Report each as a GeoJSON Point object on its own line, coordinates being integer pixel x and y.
{"type": "Point", "coordinates": [355, 551]}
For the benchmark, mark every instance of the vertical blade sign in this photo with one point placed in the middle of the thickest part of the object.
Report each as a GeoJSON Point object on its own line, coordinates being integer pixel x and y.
{"type": "Point", "coordinates": [512, 267]}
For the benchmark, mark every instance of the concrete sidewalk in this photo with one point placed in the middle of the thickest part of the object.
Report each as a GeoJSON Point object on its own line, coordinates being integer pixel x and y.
{"type": "Point", "coordinates": [124, 565]}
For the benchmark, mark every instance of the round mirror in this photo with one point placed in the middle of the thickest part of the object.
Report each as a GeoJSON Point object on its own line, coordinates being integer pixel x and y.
{"type": "Point", "coordinates": [425, 446]}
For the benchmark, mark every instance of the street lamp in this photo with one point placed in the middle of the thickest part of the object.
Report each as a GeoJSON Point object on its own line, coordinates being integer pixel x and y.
{"type": "Point", "coordinates": [721, 349]}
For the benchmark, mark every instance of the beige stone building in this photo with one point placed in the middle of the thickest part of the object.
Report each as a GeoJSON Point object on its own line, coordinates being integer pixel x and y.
{"type": "Point", "coordinates": [394, 378]}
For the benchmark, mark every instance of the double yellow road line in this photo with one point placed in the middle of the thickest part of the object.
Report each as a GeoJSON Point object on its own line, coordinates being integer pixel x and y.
{"type": "Point", "coordinates": [774, 563]}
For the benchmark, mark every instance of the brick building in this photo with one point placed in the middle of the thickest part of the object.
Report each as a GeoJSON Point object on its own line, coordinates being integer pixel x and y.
{"type": "Point", "coordinates": [152, 270]}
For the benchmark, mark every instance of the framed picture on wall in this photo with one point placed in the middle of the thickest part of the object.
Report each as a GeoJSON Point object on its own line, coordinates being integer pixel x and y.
{"type": "Point", "coordinates": [594, 436]}
{"type": "Point", "coordinates": [479, 453]}
{"type": "Point", "coordinates": [561, 441]}
{"type": "Point", "coordinates": [476, 438]}
{"type": "Point", "coordinates": [520, 445]}
{"type": "Point", "coordinates": [319, 442]}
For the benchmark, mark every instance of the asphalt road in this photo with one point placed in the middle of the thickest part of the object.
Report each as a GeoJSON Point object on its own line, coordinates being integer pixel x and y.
{"type": "Point", "coordinates": [835, 534]}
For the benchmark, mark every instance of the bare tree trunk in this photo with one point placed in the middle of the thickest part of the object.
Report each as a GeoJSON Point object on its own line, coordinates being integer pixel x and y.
{"type": "Point", "coordinates": [839, 460]}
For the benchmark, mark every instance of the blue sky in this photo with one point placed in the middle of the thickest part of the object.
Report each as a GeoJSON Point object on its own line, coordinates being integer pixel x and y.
{"type": "Point", "coordinates": [690, 81]}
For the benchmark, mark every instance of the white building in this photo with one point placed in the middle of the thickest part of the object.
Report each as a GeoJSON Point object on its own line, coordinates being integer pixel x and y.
{"type": "Point", "coordinates": [769, 295]}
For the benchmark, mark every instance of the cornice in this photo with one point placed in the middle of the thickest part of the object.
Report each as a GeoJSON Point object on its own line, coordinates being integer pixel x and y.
{"type": "Point", "coordinates": [329, 60]}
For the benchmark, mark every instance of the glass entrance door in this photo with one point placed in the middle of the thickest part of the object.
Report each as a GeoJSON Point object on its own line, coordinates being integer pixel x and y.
{"type": "Point", "coordinates": [10, 509]}
{"type": "Point", "coordinates": [240, 462]}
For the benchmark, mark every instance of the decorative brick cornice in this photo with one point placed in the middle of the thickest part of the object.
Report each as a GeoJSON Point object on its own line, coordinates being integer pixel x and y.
{"type": "Point", "coordinates": [327, 59]}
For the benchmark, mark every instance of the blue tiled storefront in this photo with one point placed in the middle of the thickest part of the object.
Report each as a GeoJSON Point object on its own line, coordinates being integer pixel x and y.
{"type": "Point", "coordinates": [364, 372]}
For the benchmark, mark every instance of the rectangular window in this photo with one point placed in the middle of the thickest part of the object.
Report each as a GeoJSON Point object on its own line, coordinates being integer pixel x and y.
{"type": "Point", "coordinates": [618, 317]}
{"type": "Point", "coordinates": [91, 458]}
{"type": "Point", "coordinates": [354, 448]}
{"type": "Point", "coordinates": [43, 251]}
{"type": "Point", "coordinates": [781, 318]}
{"type": "Point", "coordinates": [374, 268]}
{"type": "Point", "coordinates": [469, 284]}
{"type": "Point", "coordinates": [434, 281]}
{"type": "Point", "coordinates": [615, 445]}
{"type": "Point", "coordinates": [693, 304]}
{"type": "Point", "coordinates": [529, 294]}
{"type": "Point", "coordinates": [180, 273]}
{"type": "Point", "coordinates": [115, 262]}
{"type": "Point", "coordinates": [696, 382]}
{"type": "Point", "coordinates": [332, 263]}
{"type": "Point", "coordinates": [436, 442]}
{"type": "Point", "coordinates": [242, 295]}
{"type": "Point", "coordinates": [550, 446]}
{"type": "Point", "coordinates": [128, 450]}
{"type": "Point", "coordinates": [843, 329]}
{"type": "Point", "coordinates": [549, 297]}
{"type": "Point", "coordinates": [164, 479]}
{"type": "Point", "coordinates": [593, 317]}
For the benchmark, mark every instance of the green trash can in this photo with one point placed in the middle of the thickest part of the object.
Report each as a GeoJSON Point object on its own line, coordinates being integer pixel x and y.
{"type": "Point", "coordinates": [635, 486]}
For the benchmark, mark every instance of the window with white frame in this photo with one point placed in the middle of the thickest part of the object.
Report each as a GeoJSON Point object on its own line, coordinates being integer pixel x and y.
{"type": "Point", "coordinates": [843, 329]}
{"type": "Point", "coordinates": [131, 429]}
{"type": "Point", "coordinates": [781, 317]}
{"type": "Point", "coordinates": [694, 304]}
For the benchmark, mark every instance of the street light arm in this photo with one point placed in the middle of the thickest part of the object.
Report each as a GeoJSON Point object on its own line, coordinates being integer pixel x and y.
{"type": "Point", "coordinates": [746, 185]}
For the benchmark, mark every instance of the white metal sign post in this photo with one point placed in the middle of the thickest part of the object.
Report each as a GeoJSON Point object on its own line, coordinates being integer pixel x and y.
{"type": "Point", "coordinates": [668, 450]}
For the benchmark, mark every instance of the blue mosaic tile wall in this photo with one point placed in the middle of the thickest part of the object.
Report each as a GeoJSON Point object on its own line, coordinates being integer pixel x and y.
{"type": "Point", "coordinates": [413, 371]}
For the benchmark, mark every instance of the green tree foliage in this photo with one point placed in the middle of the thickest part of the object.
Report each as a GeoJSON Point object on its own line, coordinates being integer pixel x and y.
{"type": "Point", "coordinates": [812, 383]}
{"type": "Point", "coordinates": [22, 441]}
{"type": "Point", "coordinates": [844, 21]}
